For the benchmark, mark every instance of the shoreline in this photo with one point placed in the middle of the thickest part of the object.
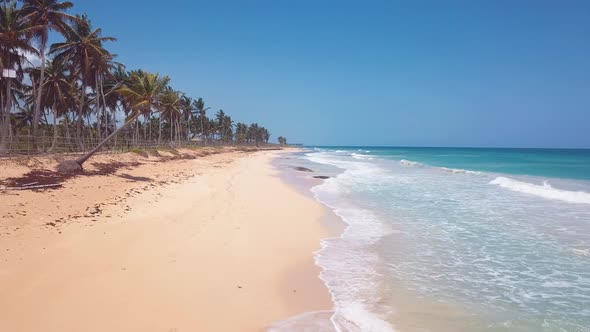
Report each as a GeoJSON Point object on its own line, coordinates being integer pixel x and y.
{"type": "Point", "coordinates": [303, 180]}
{"type": "Point", "coordinates": [174, 257]}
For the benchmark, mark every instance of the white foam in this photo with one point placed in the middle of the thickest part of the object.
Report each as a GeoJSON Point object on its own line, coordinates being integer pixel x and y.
{"type": "Point", "coordinates": [581, 252]}
{"type": "Point", "coordinates": [361, 156]}
{"type": "Point", "coordinates": [545, 191]}
{"type": "Point", "coordinates": [307, 321]}
{"type": "Point", "coordinates": [459, 171]}
{"type": "Point", "coordinates": [446, 169]}
{"type": "Point", "coordinates": [347, 265]}
{"type": "Point", "coordinates": [410, 163]}
{"type": "Point", "coordinates": [355, 317]}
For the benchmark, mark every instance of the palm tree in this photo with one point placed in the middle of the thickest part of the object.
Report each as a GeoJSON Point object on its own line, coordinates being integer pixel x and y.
{"type": "Point", "coordinates": [82, 46]}
{"type": "Point", "coordinates": [253, 133]}
{"type": "Point", "coordinates": [170, 109]}
{"type": "Point", "coordinates": [58, 88]}
{"type": "Point", "coordinates": [15, 32]}
{"type": "Point", "coordinates": [101, 68]}
{"type": "Point", "coordinates": [143, 92]}
{"type": "Point", "coordinates": [186, 109]}
{"type": "Point", "coordinates": [202, 114]}
{"type": "Point", "coordinates": [227, 129]}
{"type": "Point", "coordinates": [219, 118]}
{"type": "Point", "coordinates": [241, 133]}
{"type": "Point", "coordinates": [48, 15]}
{"type": "Point", "coordinates": [265, 134]}
{"type": "Point", "coordinates": [112, 99]}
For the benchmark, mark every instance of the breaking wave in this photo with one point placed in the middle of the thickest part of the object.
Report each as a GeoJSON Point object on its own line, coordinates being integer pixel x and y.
{"type": "Point", "coordinates": [446, 169]}
{"type": "Point", "coordinates": [411, 163]}
{"type": "Point", "coordinates": [545, 190]}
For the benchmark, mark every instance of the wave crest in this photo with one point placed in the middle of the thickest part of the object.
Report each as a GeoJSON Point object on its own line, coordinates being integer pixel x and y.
{"type": "Point", "coordinates": [459, 171]}
{"type": "Point", "coordinates": [410, 163]}
{"type": "Point", "coordinates": [360, 156]}
{"type": "Point", "coordinates": [545, 191]}
{"type": "Point", "coordinates": [446, 169]}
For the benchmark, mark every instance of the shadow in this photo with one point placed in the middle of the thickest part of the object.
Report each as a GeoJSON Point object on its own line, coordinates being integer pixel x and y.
{"type": "Point", "coordinates": [135, 178]}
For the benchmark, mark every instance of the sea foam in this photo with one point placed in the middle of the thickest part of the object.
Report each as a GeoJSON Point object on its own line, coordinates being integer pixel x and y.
{"type": "Point", "coordinates": [360, 156]}
{"type": "Point", "coordinates": [545, 190]}
{"type": "Point", "coordinates": [347, 263]}
{"type": "Point", "coordinates": [410, 163]}
{"type": "Point", "coordinates": [446, 169]}
{"type": "Point", "coordinates": [459, 171]}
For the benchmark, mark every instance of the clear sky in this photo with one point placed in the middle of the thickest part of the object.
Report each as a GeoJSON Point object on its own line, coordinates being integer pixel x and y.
{"type": "Point", "coordinates": [405, 73]}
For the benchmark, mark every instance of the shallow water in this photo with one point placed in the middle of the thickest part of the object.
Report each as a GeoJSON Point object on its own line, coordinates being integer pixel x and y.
{"type": "Point", "coordinates": [457, 239]}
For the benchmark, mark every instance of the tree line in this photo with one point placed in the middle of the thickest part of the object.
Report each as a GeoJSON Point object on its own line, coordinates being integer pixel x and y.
{"type": "Point", "coordinates": [77, 88]}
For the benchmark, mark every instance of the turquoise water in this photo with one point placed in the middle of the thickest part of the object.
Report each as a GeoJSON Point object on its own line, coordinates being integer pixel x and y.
{"type": "Point", "coordinates": [450, 239]}
{"type": "Point", "coordinates": [560, 163]}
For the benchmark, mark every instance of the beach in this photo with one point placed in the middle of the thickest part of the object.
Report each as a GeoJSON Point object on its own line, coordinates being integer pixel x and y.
{"type": "Point", "coordinates": [211, 243]}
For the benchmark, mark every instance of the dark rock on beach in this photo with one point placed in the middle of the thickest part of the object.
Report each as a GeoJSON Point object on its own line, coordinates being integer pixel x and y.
{"type": "Point", "coordinates": [303, 169]}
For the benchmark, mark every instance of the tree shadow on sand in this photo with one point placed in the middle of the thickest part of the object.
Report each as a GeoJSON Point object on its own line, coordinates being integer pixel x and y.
{"type": "Point", "coordinates": [135, 178]}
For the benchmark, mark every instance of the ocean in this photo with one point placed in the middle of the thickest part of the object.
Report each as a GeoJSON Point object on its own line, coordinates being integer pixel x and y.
{"type": "Point", "coordinates": [455, 239]}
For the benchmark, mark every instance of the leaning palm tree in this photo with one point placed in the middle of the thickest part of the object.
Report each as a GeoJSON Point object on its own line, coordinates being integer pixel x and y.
{"type": "Point", "coordinates": [143, 91]}
{"type": "Point", "coordinates": [49, 15]}
{"type": "Point", "coordinates": [15, 32]}
{"type": "Point", "coordinates": [81, 47]}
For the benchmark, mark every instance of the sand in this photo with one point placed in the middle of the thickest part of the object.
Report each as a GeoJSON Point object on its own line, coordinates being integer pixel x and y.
{"type": "Point", "coordinates": [217, 243]}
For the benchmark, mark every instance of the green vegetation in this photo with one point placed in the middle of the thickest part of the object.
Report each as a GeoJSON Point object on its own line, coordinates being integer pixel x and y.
{"type": "Point", "coordinates": [78, 88]}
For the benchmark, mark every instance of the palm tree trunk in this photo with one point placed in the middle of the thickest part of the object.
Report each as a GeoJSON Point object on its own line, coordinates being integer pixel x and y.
{"type": "Point", "coordinates": [91, 133]}
{"type": "Point", "coordinates": [81, 118]}
{"type": "Point", "coordinates": [159, 130]}
{"type": "Point", "coordinates": [97, 105]}
{"type": "Point", "coordinates": [145, 128]}
{"type": "Point", "coordinates": [178, 129]}
{"type": "Point", "coordinates": [104, 105]}
{"type": "Point", "coordinates": [5, 124]}
{"type": "Point", "coordinates": [201, 126]}
{"type": "Point", "coordinates": [83, 159]}
{"type": "Point", "coordinates": [136, 132]}
{"type": "Point", "coordinates": [37, 109]}
{"type": "Point", "coordinates": [67, 123]}
{"type": "Point", "coordinates": [55, 132]}
{"type": "Point", "coordinates": [149, 124]}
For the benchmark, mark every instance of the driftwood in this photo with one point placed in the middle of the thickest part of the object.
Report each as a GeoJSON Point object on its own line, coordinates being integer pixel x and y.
{"type": "Point", "coordinates": [41, 186]}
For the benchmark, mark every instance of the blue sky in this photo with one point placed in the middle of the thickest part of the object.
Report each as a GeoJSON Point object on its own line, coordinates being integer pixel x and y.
{"type": "Point", "coordinates": [404, 73]}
